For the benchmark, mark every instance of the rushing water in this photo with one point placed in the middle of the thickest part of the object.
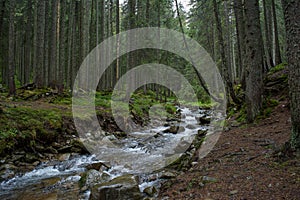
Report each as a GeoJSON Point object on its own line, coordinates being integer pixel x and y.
{"type": "Point", "coordinates": [59, 180]}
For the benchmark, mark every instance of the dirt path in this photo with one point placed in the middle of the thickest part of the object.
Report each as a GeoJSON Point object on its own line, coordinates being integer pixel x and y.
{"type": "Point", "coordinates": [242, 165]}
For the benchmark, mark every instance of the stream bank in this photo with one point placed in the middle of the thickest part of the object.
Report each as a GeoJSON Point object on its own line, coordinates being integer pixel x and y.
{"type": "Point", "coordinates": [68, 174]}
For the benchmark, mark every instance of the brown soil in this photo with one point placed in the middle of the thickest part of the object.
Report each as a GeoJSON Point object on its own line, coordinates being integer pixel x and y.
{"type": "Point", "coordinates": [245, 165]}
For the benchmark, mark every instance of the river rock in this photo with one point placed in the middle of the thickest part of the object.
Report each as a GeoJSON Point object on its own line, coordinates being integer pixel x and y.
{"type": "Point", "coordinates": [94, 177]}
{"type": "Point", "coordinates": [121, 188]}
{"type": "Point", "coordinates": [201, 133]}
{"type": "Point", "coordinates": [190, 126]}
{"type": "Point", "coordinates": [30, 158]}
{"type": "Point", "coordinates": [64, 157]}
{"type": "Point", "coordinates": [167, 175]}
{"type": "Point", "coordinates": [7, 171]}
{"type": "Point", "coordinates": [98, 166]}
{"type": "Point", "coordinates": [204, 120]}
{"type": "Point", "coordinates": [150, 191]}
{"type": "Point", "coordinates": [175, 129]}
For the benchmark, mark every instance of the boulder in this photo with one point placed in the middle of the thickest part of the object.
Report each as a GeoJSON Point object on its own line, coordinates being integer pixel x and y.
{"type": "Point", "coordinates": [125, 187]}
{"type": "Point", "coordinates": [7, 171]}
{"type": "Point", "coordinates": [190, 126]}
{"type": "Point", "coordinates": [167, 175]}
{"type": "Point", "coordinates": [93, 177]}
{"type": "Point", "coordinates": [150, 191]}
{"type": "Point", "coordinates": [98, 166]}
{"type": "Point", "coordinates": [175, 129]}
{"type": "Point", "coordinates": [204, 120]}
{"type": "Point", "coordinates": [202, 133]}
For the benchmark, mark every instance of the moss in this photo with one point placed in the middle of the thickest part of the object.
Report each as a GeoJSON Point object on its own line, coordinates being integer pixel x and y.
{"type": "Point", "coordinates": [242, 117]}
{"type": "Point", "coordinates": [23, 127]}
{"type": "Point", "coordinates": [82, 180]}
{"type": "Point", "coordinates": [278, 68]}
{"type": "Point", "coordinates": [267, 109]}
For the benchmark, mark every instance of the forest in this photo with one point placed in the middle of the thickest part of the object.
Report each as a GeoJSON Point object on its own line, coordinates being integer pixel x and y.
{"type": "Point", "coordinates": [51, 146]}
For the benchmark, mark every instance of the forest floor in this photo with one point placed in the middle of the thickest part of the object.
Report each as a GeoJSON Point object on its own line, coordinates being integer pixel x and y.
{"type": "Point", "coordinates": [244, 164]}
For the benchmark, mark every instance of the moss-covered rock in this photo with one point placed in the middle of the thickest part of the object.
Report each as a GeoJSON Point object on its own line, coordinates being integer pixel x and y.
{"type": "Point", "coordinates": [121, 188]}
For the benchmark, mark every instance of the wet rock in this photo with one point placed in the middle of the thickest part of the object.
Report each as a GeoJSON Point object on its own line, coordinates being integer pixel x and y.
{"type": "Point", "coordinates": [121, 188]}
{"type": "Point", "coordinates": [64, 157]}
{"type": "Point", "coordinates": [175, 129]}
{"type": "Point", "coordinates": [65, 149]}
{"type": "Point", "coordinates": [51, 150]}
{"type": "Point", "coordinates": [39, 148]}
{"type": "Point", "coordinates": [56, 145]}
{"type": "Point", "coordinates": [7, 171]}
{"type": "Point", "coordinates": [166, 125]}
{"type": "Point", "coordinates": [30, 158]}
{"type": "Point", "coordinates": [204, 120]}
{"type": "Point", "coordinates": [201, 133]}
{"type": "Point", "coordinates": [190, 126]}
{"type": "Point", "coordinates": [93, 177]}
{"type": "Point", "coordinates": [157, 135]}
{"type": "Point", "coordinates": [98, 166]}
{"type": "Point", "coordinates": [167, 175]}
{"type": "Point", "coordinates": [16, 158]}
{"type": "Point", "coordinates": [66, 165]}
{"type": "Point", "coordinates": [150, 191]}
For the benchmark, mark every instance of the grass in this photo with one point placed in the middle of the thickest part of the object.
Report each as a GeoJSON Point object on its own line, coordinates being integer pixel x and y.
{"type": "Point", "coordinates": [22, 126]}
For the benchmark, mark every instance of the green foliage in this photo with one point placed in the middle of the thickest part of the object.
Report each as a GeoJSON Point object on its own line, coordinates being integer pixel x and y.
{"type": "Point", "coordinates": [278, 68]}
{"type": "Point", "coordinates": [142, 104]}
{"type": "Point", "coordinates": [61, 100]}
{"type": "Point", "coordinates": [82, 180]}
{"type": "Point", "coordinates": [242, 117]}
{"type": "Point", "coordinates": [22, 125]}
{"type": "Point", "coordinates": [268, 106]}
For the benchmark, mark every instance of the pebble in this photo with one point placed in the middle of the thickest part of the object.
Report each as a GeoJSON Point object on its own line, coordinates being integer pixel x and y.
{"type": "Point", "coordinates": [233, 192]}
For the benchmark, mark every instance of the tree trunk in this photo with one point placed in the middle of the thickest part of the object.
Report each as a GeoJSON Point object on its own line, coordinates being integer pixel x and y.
{"type": "Point", "coordinates": [254, 60]}
{"type": "Point", "coordinates": [118, 39]}
{"type": "Point", "coordinates": [241, 35]}
{"type": "Point", "coordinates": [53, 45]}
{"type": "Point", "coordinates": [268, 41]}
{"type": "Point", "coordinates": [224, 67]}
{"type": "Point", "coordinates": [2, 9]}
{"type": "Point", "coordinates": [62, 46]}
{"type": "Point", "coordinates": [28, 43]}
{"type": "Point", "coordinates": [39, 43]}
{"type": "Point", "coordinates": [11, 53]}
{"type": "Point", "coordinates": [277, 47]}
{"type": "Point", "coordinates": [292, 18]}
{"type": "Point", "coordinates": [46, 44]}
{"type": "Point", "coordinates": [71, 51]}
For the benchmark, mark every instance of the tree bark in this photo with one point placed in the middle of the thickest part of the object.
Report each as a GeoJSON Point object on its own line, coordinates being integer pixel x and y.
{"type": "Point", "coordinates": [40, 44]}
{"type": "Point", "coordinates": [11, 52]}
{"type": "Point", "coordinates": [254, 60]}
{"type": "Point", "coordinates": [225, 66]}
{"type": "Point", "coordinates": [278, 59]}
{"type": "Point", "coordinates": [241, 35]}
{"type": "Point", "coordinates": [53, 45]}
{"type": "Point", "coordinates": [292, 17]}
{"type": "Point", "coordinates": [62, 46]}
{"type": "Point", "coordinates": [268, 41]}
{"type": "Point", "coordinates": [118, 39]}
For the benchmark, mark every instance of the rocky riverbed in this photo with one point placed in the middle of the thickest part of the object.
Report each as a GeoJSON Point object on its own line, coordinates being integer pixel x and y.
{"type": "Point", "coordinates": [71, 175]}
